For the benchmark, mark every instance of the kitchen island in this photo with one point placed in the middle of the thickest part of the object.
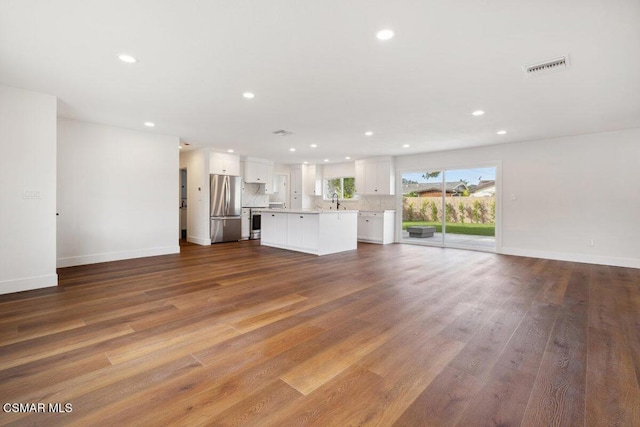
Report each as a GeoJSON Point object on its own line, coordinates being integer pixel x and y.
{"type": "Point", "coordinates": [318, 232]}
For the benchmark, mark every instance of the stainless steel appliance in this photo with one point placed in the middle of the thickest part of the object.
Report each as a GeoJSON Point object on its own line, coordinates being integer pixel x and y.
{"type": "Point", "coordinates": [225, 208]}
{"type": "Point", "coordinates": [255, 219]}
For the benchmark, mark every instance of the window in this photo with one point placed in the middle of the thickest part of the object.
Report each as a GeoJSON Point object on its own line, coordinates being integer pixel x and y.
{"type": "Point", "coordinates": [344, 187]}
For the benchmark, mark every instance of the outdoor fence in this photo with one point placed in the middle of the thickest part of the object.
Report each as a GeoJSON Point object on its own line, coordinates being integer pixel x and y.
{"type": "Point", "coordinates": [478, 210]}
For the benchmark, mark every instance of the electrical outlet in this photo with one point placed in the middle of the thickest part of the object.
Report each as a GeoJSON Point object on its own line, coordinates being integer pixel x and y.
{"type": "Point", "coordinates": [592, 243]}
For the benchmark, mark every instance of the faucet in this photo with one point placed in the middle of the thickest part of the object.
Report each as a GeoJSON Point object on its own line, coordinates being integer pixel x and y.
{"type": "Point", "coordinates": [336, 199]}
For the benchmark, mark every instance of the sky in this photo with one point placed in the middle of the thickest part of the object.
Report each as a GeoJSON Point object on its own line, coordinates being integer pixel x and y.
{"type": "Point", "coordinates": [472, 176]}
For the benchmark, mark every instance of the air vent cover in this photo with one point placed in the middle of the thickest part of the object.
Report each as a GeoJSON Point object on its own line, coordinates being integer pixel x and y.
{"type": "Point", "coordinates": [282, 132]}
{"type": "Point", "coordinates": [544, 67]}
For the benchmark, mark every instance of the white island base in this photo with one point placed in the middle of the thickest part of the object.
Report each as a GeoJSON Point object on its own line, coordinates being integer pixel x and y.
{"type": "Point", "coordinates": [313, 232]}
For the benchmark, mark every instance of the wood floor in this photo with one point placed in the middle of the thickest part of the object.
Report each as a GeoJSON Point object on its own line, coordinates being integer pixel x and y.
{"type": "Point", "coordinates": [239, 334]}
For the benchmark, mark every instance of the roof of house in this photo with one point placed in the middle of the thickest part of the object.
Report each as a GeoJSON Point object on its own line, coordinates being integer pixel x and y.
{"type": "Point", "coordinates": [435, 187]}
{"type": "Point", "coordinates": [483, 185]}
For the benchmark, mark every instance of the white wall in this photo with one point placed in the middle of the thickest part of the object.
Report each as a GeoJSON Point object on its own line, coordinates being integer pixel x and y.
{"type": "Point", "coordinates": [568, 191]}
{"type": "Point", "coordinates": [117, 193]}
{"type": "Point", "coordinates": [338, 170]}
{"type": "Point", "coordinates": [27, 169]}
{"type": "Point", "coordinates": [197, 164]}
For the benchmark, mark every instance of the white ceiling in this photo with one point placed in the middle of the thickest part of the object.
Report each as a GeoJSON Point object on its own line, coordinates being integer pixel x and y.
{"type": "Point", "coordinates": [318, 70]}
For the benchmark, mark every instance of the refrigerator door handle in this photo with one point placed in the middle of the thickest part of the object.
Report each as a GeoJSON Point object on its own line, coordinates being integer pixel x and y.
{"type": "Point", "coordinates": [228, 193]}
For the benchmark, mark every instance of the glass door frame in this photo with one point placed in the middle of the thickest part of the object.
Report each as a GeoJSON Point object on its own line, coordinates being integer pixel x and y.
{"type": "Point", "coordinates": [443, 243]}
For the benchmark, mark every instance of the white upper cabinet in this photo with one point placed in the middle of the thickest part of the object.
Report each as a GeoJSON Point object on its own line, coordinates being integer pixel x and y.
{"type": "Point", "coordinates": [305, 183]}
{"type": "Point", "coordinates": [224, 164]}
{"type": "Point", "coordinates": [312, 180]}
{"type": "Point", "coordinates": [375, 177]}
{"type": "Point", "coordinates": [296, 187]}
{"type": "Point", "coordinates": [259, 171]}
{"type": "Point", "coordinates": [296, 180]}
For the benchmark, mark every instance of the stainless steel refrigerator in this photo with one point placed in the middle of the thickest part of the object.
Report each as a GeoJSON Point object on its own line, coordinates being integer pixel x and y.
{"type": "Point", "coordinates": [226, 208]}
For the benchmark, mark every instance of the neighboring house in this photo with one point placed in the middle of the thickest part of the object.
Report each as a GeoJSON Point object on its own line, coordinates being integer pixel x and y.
{"type": "Point", "coordinates": [453, 189]}
{"type": "Point", "coordinates": [484, 189]}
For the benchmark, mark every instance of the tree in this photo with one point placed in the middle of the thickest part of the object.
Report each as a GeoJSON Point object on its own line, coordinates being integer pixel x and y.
{"type": "Point", "coordinates": [408, 181]}
{"type": "Point", "coordinates": [434, 212]}
{"type": "Point", "coordinates": [428, 175]}
{"type": "Point", "coordinates": [461, 210]}
{"type": "Point", "coordinates": [349, 189]}
{"type": "Point", "coordinates": [334, 186]}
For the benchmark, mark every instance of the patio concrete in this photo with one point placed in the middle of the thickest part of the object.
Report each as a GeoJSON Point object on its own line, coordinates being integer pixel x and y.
{"type": "Point", "coordinates": [462, 240]}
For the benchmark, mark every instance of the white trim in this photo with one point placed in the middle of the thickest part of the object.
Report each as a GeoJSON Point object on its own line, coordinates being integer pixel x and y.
{"type": "Point", "coordinates": [573, 257]}
{"type": "Point", "coordinates": [116, 256]}
{"type": "Point", "coordinates": [198, 241]}
{"type": "Point", "coordinates": [28, 283]}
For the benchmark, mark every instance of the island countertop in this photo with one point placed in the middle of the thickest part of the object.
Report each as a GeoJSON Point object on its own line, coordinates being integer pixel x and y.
{"type": "Point", "coordinates": [307, 211]}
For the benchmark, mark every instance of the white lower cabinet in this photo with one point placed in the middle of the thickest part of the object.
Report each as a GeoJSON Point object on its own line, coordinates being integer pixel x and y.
{"type": "Point", "coordinates": [318, 233]}
{"type": "Point", "coordinates": [376, 226]}
{"type": "Point", "coordinates": [245, 224]}
{"type": "Point", "coordinates": [302, 231]}
{"type": "Point", "coordinates": [268, 227]}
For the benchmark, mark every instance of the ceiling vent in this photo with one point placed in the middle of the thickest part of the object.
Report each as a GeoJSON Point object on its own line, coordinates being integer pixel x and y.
{"type": "Point", "coordinates": [545, 67]}
{"type": "Point", "coordinates": [282, 132]}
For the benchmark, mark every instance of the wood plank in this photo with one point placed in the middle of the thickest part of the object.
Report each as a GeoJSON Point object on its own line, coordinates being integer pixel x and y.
{"type": "Point", "coordinates": [614, 394]}
{"type": "Point", "coordinates": [257, 408]}
{"type": "Point", "coordinates": [501, 401]}
{"type": "Point", "coordinates": [443, 401]}
{"type": "Point", "coordinates": [525, 348]}
{"type": "Point", "coordinates": [559, 391]}
{"type": "Point", "coordinates": [481, 353]}
{"type": "Point", "coordinates": [38, 348]}
{"type": "Point", "coordinates": [317, 370]}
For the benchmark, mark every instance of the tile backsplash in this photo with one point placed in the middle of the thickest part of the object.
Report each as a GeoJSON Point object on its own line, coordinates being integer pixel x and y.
{"type": "Point", "coordinates": [253, 195]}
{"type": "Point", "coordinates": [363, 203]}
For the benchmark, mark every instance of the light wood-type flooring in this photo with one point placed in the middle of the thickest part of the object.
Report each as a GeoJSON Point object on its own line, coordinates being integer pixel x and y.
{"type": "Point", "coordinates": [239, 334]}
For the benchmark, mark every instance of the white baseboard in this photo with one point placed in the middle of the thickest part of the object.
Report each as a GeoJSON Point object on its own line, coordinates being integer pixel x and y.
{"type": "Point", "coordinates": [585, 258]}
{"type": "Point", "coordinates": [198, 241]}
{"type": "Point", "coordinates": [28, 283]}
{"type": "Point", "coordinates": [116, 256]}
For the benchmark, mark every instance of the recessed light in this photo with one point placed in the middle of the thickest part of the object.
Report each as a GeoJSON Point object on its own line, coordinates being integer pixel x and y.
{"type": "Point", "coordinates": [230, 150]}
{"type": "Point", "coordinates": [405, 146]}
{"type": "Point", "coordinates": [249, 95]}
{"type": "Point", "coordinates": [305, 162]}
{"type": "Point", "coordinates": [347, 158]}
{"type": "Point", "coordinates": [149, 124]}
{"type": "Point", "coordinates": [326, 160]}
{"type": "Point", "coordinates": [478, 113]}
{"type": "Point", "coordinates": [385, 34]}
{"type": "Point", "coordinates": [292, 149]}
{"type": "Point", "coordinates": [127, 58]}
{"type": "Point", "coordinates": [502, 132]}
{"type": "Point", "coordinates": [368, 133]}
{"type": "Point", "coordinates": [313, 145]}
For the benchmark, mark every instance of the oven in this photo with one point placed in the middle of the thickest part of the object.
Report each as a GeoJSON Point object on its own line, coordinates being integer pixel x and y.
{"type": "Point", "coordinates": [255, 219]}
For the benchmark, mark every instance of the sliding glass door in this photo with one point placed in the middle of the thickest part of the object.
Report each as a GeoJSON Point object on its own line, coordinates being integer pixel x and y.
{"type": "Point", "coordinates": [422, 207]}
{"type": "Point", "coordinates": [450, 207]}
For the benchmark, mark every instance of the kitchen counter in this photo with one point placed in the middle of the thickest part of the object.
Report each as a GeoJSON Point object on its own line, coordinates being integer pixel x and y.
{"type": "Point", "coordinates": [318, 232]}
{"type": "Point", "coordinates": [376, 226]}
{"type": "Point", "coordinates": [307, 211]}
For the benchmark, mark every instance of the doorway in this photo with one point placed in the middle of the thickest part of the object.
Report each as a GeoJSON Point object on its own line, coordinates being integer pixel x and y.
{"type": "Point", "coordinates": [450, 207]}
